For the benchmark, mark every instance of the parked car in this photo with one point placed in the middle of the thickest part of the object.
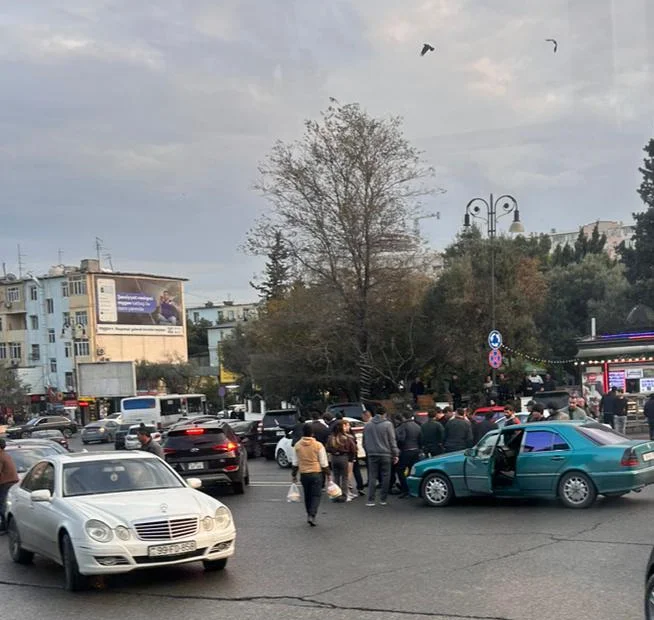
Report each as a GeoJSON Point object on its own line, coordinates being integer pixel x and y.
{"type": "Point", "coordinates": [284, 446]}
{"type": "Point", "coordinates": [273, 426]}
{"type": "Point", "coordinates": [211, 452]}
{"type": "Point", "coordinates": [248, 433]}
{"type": "Point", "coordinates": [571, 461]}
{"type": "Point", "coordinates": [99, 514]}
{"type": "Point", "coordinates": [43, 423]}
{"type": "Point", "coordinates": [131, 439]}
{"type": "Point", "coordinates": [27, 452]}
{"type": "Point", "coordinates": [120, 434]}
{"type": "Point", "coordinates": [52, 435]}
{"type": "Point", "coordinates": [559, 398]}
{"type": "Point", "coordinates": [649, 588]}
{"type": "Point", "coordinates": [349, 410]}
{"type": "Point", "coordinates": [102, 431]}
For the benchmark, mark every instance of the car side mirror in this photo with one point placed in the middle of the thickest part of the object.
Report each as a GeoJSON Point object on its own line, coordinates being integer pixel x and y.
{"type": "Point", "coordinates": [42, 495]}
{"type": "Point", "coordinates": [469, 452]}
{"type": "Point", "coordinates": [194, 483]}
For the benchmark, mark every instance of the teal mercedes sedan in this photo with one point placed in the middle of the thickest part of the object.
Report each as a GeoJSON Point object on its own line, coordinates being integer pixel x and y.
{"type": "Point", "coordinates": [572, 461]}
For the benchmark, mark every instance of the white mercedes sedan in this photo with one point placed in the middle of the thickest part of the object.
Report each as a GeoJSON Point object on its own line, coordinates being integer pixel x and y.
{"type": "Point", "coordinates": [105, 513]}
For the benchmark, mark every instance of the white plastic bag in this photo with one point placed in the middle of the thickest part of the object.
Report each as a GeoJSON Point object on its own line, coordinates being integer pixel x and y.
{"type": "Point", "coordinates": [293, 494]}
{"type": "Point", "coordinates": [333, 490]}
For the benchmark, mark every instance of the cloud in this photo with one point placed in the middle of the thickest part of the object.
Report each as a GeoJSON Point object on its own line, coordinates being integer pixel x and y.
{"type": "Point", "coordinates": [143, 122]}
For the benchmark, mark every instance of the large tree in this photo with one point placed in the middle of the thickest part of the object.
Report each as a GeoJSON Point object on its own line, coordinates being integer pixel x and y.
{"type": "Point", "coordinates": [12, 392]}
{"type": "Point", "coordinates": [638, 257]}
{"type": "Point", "coordinates": [345, 197]}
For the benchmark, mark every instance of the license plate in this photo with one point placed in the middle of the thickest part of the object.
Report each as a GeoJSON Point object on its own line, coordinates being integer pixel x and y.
{"type": "Point", "coordinates": [648, 456]}
{"type": "Point", "coordinates": [174, 549]}
{"type": "Point", "coordinates": [195, 466]}
{"type": "Point", "coordinates": [280, 433]}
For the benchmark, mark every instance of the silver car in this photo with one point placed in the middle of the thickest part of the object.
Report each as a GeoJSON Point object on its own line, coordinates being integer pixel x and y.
{"type": "Point", "coordinates": [103, 431]}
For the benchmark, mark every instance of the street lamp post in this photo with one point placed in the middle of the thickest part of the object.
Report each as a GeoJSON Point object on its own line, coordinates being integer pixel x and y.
{"type": "Point", "coordinates": [495, 209]}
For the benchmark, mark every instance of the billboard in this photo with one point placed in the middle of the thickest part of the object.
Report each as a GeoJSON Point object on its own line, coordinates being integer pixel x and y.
{"type": "Point", "coordinates": [106, 379]}
{"type": "Point", "coordinates": [132, 306]}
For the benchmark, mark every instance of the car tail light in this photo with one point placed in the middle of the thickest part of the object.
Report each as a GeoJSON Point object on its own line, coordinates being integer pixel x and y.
{"type": "Point", "coordinates": [260, 427]}
{"type": "Point", "coordinates": [225, 447]}
{"type": "Point", "coordinates": [194, 431]}
{"type": "Point", "coordinates": [231, 468]}
{"type": "Point", "coordinates": [629, 458]}
{"type": "Point", "coordinates": [169, 451]}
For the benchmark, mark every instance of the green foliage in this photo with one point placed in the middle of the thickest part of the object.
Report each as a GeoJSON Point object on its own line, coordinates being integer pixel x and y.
{"type": "Point", "coordinates": [13, 393]}
{"type": "Point", "coordinates": [196, 337]}
{"type": "Point", "coordinates": [277, 272]}
{"type": "Point", "coordinates": [177, 377]}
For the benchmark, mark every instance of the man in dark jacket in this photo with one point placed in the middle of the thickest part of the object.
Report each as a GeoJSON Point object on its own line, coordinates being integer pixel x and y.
{"type": "Point", "coordinates": [382, 453]}
{"type": "Point", "coordinates": [458, 433]}
{"type": "Point", "coordinates": [607, 406]}
{"type": "Point", "coordinates": [649, 414]}
{"type": "Point", "coordinates": [320, 427]}
{"type": "Point", "coordinates": [483, 427]}
{"type": "Point", "coordinates": [510, 416]}
{"type": "Point", "coordinates": [409, 441]}
{"type": "Point", "coordinates": [433, 434]}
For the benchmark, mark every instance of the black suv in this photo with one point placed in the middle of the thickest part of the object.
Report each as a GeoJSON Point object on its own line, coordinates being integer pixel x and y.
{"type": "Point", "coordinates": [210, 451]}
{"type": "Point", "coordinates": [121, 432]}
{"type": "Point", "coordinates": [275, 425]}
{"type": "Point", "coordinates": [46, 423]}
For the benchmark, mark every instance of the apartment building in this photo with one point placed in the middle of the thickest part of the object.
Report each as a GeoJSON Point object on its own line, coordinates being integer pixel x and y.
{"type": "Point", "coordinates": [616, 233]}
{"type": "Point", "coordinates": [50, 323]}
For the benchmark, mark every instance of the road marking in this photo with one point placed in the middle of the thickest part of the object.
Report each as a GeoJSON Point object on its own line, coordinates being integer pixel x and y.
{"type": "Point", "coordinates": [270, 484]}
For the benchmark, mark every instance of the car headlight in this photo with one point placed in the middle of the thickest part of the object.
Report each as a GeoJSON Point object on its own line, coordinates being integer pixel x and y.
{"type": "Point", "coordinates": [99, 531]}
{"type": "Point", "coordinates": [102, 429]}
{"type": "Point", "coordinates": [207, 523]}
{"type": "Point", "coordinates": [412, 472]}
{"type": "Point", "coordinates": [223, 517]}
{"type": "Point", "coordinates": [122, 532]}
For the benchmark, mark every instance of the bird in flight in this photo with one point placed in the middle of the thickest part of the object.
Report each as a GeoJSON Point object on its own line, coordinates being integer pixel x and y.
{"type": "Point", "coordinates": [556, 45]}
{"type": "Point", "coordinates": [426, 48]}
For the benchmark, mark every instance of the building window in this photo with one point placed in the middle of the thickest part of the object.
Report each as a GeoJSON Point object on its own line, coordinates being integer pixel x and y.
{"type": "Point", "coordinates": [65, 317]}
{"type": "Point", "coordinates": [0, 323]}
{"type": "Point", "coordinates": [70, 385]}
{"type": "Point", "coordinates": [77, 286]}
{"type": "Point", "coordinates": [82, 348]}
{"type": "Point", "coordinates": [3, 351]}
{"type": "Point", "coordinates": [34, 321]}
{"type": "Point", "coordinates": [68, 349]}
{"type": "Point", "coordinates": [64, 288]}
{"type": "Point", "coordinates": [34, 295]}
{"type": "Point", "coordinates": [82, 317]}
{"type": "Point", "coordinates": [51, 336]}
{"type": "Point", "coordinates": [49, 306]}
{"type": "Point", "coordinates": [53, 364]}
{"type": "Point", "coordinates": [15, 350]}
{"type": "Point", "coordinates": [13, 294]}
{"type": "Point", "coordinates": [196, 317]}
{"type": "Point", "coordinates": [230, 315]}
{"type": "Point", "coordinates": [220, 315]}
{"type": "Point", "coordinates": [36, 352]}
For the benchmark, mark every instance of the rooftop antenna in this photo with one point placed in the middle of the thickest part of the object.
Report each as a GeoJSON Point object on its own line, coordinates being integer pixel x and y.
{"type": "Point", "coordinates": [21, 256]}
{"type": "Point", "coordinates": [98, 248]}
{"type": "Point", "coordinates": [107, 257]}
{"type": "Point", "coordinates": [60, 256]}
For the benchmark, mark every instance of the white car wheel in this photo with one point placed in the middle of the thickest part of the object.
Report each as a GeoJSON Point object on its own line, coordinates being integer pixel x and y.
{"type": "Point", "coordinates": [282, 459]}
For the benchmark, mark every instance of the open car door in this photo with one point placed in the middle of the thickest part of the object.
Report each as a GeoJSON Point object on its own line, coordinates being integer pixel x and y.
{"type": "Point", "coordinates": [478, 467]}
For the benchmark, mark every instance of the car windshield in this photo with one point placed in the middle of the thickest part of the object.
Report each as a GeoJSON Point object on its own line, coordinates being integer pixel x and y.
{"type": "Point", "coordinates": [349, 411]}
{"type": "Point", "coordinates": [602, 435]}
{"type": "Point", "coordinates": [279, 419]}
{"type": "Point", "coordinates": [240, 427]}
{"type": "Point", "coordinates": [24, 458]}
{"type": "Point", "coordinates": [117, 476]}
{"type": "Point", "coordinates": [32, 422]}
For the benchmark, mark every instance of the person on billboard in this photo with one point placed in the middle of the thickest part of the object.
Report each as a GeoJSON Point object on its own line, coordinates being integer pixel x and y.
{"type": "Point", "coordinates": [167, 310]}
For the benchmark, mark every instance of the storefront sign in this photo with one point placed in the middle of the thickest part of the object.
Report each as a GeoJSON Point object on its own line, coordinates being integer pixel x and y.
{"type": "Point", "coordinates": [634, 373]}
{"type": "Point", "coordinates": [647, 385]}
{"type": "Point", "coordinates": [617, 379]}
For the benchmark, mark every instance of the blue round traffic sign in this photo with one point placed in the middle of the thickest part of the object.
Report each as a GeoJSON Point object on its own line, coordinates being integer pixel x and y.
{"type": "Point", "coordinates": [494, 339]}
{"type": "Point", "coordinates": [495, 358]}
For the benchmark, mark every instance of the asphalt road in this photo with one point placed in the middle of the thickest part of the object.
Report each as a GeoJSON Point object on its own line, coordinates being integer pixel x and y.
{"type": "Point", "coordinates": [477, 560]}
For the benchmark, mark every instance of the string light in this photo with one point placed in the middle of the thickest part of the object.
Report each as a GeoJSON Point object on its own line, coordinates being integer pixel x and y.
{"type": "Point", "coordinates": [540, 360]}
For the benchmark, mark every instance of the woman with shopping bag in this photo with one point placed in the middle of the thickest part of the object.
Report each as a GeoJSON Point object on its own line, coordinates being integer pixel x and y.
{"type": "Point", "coordinates": [343, 450]}
{"type": "Point", "coordinates": [309, 458]}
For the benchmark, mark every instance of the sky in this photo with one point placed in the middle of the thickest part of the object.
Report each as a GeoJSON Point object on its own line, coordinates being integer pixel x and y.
{"type": "Point", "coordinates": [142, 122]}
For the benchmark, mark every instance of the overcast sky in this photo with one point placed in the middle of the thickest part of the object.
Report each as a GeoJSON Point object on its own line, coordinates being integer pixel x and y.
{"type": "Point", "coordinates": [142, 122]}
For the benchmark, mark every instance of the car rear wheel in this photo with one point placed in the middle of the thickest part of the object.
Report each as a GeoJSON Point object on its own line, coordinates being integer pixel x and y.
{"type": "Point", "coordinates": [18, 554]}
{"type": "Point", "coordinates": [437, 490]}
{"type": "Point", "coordinates": [74, 580]}
{"type": "Point", "coordinates": [238, 487]}
{"type": "Point", "coordinates": [67, 433]}
{"type": "Point", "coordinates": [282, 459]}
{"type": "Point", "coordinates": [257, 453]}
{"type": "Point", "coordinates": [211, 565]}
{"type": "Point", "coordinates": [25, 435]}
{"type": "Point", "coordinates": [576, 490]}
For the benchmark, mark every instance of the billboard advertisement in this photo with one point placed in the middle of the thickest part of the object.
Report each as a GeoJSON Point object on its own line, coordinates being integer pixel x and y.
{"type": "Point", "coordinates": [130, 306]}
{"type": "Point", "coordinates": [106, 379]}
